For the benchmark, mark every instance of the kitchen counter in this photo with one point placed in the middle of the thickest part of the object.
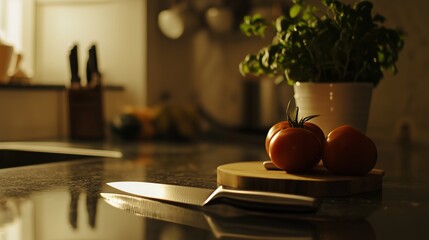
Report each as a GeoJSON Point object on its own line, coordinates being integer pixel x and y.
{"type": "Point", "coordinates": [62, 200]}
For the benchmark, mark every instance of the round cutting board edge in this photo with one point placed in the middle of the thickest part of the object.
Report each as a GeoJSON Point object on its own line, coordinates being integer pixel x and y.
{"type": "Point", "coordinates": [317, 183]}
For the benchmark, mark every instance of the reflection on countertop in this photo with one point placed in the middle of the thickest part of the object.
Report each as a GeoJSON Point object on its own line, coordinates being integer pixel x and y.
{"type": "Point", "coordinates": [63, 199]}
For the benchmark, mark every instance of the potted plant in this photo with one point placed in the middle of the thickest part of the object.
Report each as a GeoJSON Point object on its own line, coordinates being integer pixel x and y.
{"type": "Point", "coordinates": [335, 51]}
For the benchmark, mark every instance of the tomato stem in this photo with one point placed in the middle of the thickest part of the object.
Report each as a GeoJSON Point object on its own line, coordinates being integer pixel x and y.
{"type": "Point", "coordinates": [298, 123]}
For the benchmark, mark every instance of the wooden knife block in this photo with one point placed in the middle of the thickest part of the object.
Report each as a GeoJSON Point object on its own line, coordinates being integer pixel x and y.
{"type": "Point", "coordinates": [86, 118]}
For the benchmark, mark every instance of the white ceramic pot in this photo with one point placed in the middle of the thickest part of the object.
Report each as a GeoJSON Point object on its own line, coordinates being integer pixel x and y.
{"type": "Point", "coordinates": [336, 103]}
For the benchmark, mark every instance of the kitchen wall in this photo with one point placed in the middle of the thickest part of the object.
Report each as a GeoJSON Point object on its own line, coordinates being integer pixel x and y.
{"type": "Point", "coordinates": [203, 66]}
{"type": "Point", "coordinates": [117, 27]}
{"type": "Point", "coordinates": [402, 98]}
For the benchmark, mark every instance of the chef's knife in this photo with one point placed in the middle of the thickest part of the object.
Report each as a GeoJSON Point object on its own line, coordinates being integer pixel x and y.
{"type": "Point", "coordinates": [74, 67]}
{"type": "Point", "coordinates": [92, 73]}
{"type": "Point", "coordinates": [93, 52]}
{"type": "Point", "coordinates": [200, 197]}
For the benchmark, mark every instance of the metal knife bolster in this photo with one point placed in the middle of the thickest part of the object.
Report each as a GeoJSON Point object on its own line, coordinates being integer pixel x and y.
{"type": "Point", "coordinates": [263, 201]}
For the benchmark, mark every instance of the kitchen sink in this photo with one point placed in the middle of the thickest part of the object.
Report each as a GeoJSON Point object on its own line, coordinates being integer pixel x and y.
{"type": "Point", "coordinates": [14, 154]}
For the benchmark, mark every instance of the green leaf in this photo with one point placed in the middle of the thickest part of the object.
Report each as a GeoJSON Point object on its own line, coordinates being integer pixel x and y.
{"type": "Point", "coordinates": [282, 24]}
{"type": "Point", "coordinates": [253, 25]}
{"type": "Point", "coordinates": [393, 69]}
{"type": "Point", "coordinates": [295, 10]}
{"type": "Point", "coordinates": [327, 2]}
{"type": "Point", "coordinates": [278, 80]}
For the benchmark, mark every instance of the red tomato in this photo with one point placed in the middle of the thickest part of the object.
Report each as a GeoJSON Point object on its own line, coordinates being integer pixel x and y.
{"type": "Point", "coordinates": [285, 124]}
{"type": "Point", "coordinates": [273, 130]}
{"type": "Point", "coordinates": [348, 151]}
{"type": "Point", "coordinates": [316, 130]}
{"type": "Point", "coordinates": [295, 150]}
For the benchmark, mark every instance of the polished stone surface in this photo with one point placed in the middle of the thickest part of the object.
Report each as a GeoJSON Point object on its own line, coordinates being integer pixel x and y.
{"type": "Point", "coordinates": [62, 200]}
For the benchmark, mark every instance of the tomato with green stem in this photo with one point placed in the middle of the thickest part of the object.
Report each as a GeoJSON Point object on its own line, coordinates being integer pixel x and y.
{"type": "Point", "coordinates": [295, 150]}
{"type": "Point", "coordinates": [295, 145]}
{"type": "Point", "coordinates": [286, 124]}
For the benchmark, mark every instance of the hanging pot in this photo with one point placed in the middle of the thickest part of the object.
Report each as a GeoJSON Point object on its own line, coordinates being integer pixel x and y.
{"type": "Point", "coordinates": [177, 20]}
{"type": "Point", "coordinates": [336, 103]}
{"type": "Point", "coordinates": [220, 19]}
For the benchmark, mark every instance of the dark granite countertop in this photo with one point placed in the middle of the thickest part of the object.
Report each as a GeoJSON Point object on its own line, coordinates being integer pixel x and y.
{"type": "Point", "coordinates": [61, 200]}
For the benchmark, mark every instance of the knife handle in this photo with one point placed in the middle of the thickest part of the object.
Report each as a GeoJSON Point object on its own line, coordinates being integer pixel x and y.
{"type": "Point", "coordinates": [263, 201]}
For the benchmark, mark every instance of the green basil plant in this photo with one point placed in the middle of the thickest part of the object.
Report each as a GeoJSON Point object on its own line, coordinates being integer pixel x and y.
{"type": "Point", "coordinates": [344, 43]}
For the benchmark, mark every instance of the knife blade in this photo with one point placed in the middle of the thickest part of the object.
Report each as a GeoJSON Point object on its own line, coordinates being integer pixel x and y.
{"type": "Point", "coordinates": [148, 208]}
{"type": "Point", "coordinates": [201, 197]}
{"type": "Point", "coordinates": [236, 225]}
{"type": "Point", "coordinates": [74, 67]}
{"type": "Point", "coordinates": [92, 73]}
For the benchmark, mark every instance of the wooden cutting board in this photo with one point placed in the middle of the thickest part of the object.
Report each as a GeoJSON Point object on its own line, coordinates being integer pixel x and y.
{"type": "Point", "coordinates": [318, 182]}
